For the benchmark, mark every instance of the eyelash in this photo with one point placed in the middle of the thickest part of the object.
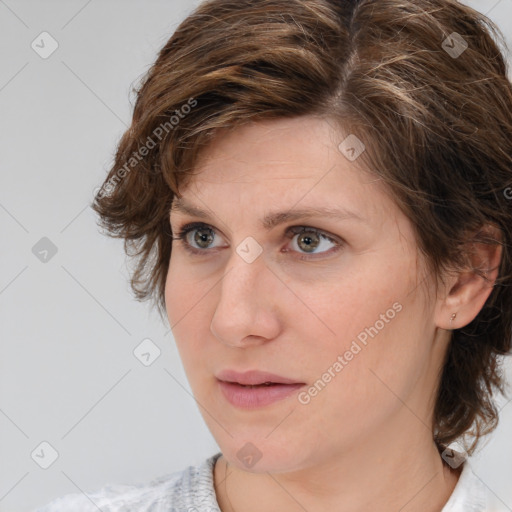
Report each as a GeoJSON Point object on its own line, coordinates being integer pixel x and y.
{"type": "Point", "coordinates": [294, 230]}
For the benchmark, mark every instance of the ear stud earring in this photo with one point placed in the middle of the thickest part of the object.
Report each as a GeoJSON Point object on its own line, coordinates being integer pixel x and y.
{"type": "Point", "coordinates": [452, 318]}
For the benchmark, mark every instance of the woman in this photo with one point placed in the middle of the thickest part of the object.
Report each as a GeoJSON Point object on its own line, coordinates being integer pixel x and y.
{"type": "Point", "coordinates": [319, 196]}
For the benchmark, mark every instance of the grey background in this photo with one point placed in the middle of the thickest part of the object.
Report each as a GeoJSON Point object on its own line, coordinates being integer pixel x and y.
{"type": "Point", "coordinates": [68, 375]}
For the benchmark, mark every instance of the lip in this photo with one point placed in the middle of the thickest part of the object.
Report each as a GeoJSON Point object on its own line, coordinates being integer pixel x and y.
{"type": "Point", "coordinates": [252, 398]}
{"type": "Point", "coordinates": [232, 386]}
{"type": "Point", "coordinates": [253, 378]}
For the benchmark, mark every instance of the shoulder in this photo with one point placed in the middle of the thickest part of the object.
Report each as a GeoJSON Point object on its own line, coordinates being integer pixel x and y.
{"type": "Point", "coordinates": [186, 490]}
{"type": "Point", "coordinates": [471, 494]}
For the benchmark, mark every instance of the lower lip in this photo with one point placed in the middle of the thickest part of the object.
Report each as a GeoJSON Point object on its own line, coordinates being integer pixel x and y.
{"type": "Point", "coordinates": [252, 398]}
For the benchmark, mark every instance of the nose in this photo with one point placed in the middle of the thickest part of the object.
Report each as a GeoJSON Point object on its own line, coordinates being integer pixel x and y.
{"type": "Point", "coordinates": [248, 304]}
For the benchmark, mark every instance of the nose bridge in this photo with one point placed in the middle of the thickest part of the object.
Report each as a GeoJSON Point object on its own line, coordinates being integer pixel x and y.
{"type": "Point", "coordinates": [239, 286]}
{"type": "Point", "coordinates": [245, 269]}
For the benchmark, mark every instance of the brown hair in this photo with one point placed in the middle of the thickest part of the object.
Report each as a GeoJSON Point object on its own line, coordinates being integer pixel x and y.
{"type": "Point", "coordinates": [435, 117]}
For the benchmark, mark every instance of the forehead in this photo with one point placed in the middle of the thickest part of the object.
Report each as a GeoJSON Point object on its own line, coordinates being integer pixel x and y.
{"type": "Point", "coordinates": [286, 163]}
{"type": "Point", "coordinates": [279, 148]}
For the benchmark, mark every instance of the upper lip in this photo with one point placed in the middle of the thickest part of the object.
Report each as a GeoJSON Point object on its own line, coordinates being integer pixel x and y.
{"type": "Point", "coordinates": [253, 377]}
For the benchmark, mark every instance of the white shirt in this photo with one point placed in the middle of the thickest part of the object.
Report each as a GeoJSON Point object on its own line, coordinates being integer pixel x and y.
{"type": "Point", "coordinates": [192, 490]}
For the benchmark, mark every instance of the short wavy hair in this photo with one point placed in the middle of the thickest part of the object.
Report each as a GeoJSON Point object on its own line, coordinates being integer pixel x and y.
{"type": "Point", "coordinates": [422, 82]}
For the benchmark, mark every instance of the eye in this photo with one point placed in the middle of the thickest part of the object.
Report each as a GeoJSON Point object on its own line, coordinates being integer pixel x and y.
{"type": "Point", "coordinates": [310, 239]}
{"type": "Point", "coordinates": [197, 238]}
{"type": "Point", "coordinates": [203, 235]}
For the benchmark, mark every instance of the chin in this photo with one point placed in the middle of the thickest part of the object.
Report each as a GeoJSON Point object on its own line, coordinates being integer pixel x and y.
{"type": "Point", "coordinates": [259, 455]}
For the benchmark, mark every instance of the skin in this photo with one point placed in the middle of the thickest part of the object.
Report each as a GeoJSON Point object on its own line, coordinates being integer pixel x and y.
{"type": "Point", "coordinates": [365, 441]}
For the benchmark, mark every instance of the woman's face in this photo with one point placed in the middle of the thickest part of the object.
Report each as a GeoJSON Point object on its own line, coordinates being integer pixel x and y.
{"type": "Point", "coordinates": [340, 307]}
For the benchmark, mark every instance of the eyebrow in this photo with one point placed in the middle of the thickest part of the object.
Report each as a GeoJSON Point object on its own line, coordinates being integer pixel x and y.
{"type": "Point", "coordinates": [273, 219]}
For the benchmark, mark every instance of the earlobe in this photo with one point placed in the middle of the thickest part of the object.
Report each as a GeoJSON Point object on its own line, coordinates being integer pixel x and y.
{"type": "Point", "coordinates": [470, 288]}
{"type": "Point", "coordinates": [452, 319]}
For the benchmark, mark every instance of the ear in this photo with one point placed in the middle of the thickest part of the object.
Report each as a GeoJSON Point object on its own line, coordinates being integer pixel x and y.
{"type": "Point", "coordinates": [466, 291]}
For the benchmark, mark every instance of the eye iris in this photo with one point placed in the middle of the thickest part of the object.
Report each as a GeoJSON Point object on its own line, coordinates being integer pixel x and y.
{"type": "Point", "coordinates": [206, 238]}
{"type": "Point", "coordinates": [309, 240]}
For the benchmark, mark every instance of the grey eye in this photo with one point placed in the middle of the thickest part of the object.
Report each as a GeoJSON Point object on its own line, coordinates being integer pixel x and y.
{"type": "Point", "coordinates": [203, 237]}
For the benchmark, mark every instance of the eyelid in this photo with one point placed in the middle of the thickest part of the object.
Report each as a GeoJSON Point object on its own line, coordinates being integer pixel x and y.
{"type": "Point", "coordinates": [297, 230]}
{"type": "Point", "coordinates": [184, 229]}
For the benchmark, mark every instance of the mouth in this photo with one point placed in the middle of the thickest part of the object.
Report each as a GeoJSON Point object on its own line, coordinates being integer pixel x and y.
{"type": "Point", "coordinates": [254, 378]}
{"type": "Point", "coordinates": [255, 389]}
{"type": "Point", "coordinates": [258, 385]}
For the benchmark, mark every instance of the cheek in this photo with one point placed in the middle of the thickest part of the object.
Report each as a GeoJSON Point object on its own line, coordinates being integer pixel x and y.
{"type": "Point", "coordinates": [179, 295]}
{"type": "Point", "coordinates": [376, 360]}
{"type": "Point", "coordinates": [187, 306]}
{"type": "Point", "coordinates": [182, 291]}
{"type": "Point", "coordinates": [349, 305]}
{"type": "Point", "coordinates": [373, 323]}
{"type": "Point", "coordinates": [174, 288]}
